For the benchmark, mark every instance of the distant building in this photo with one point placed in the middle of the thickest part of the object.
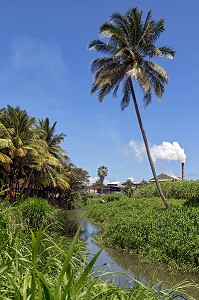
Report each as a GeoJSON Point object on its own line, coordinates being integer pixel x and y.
{"type": "Point", "coordinates": [115, 184]}
{"type": "Point", "coordinates": [112, 187]}
{"type": "Point", "coordinates": [164, 177]}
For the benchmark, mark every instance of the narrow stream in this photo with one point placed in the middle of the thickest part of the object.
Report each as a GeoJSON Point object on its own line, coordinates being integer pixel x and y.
{"type": "Point", "coordinates": [120, 261]}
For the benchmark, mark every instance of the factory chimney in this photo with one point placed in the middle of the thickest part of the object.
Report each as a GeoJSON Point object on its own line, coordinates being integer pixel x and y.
{"type": "Point", "coordinates": [183, 177]}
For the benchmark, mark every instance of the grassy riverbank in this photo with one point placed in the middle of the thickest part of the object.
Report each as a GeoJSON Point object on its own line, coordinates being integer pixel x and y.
{"type": "Point", "coordinates": [144, 226]}
{"type": "Point", "coordinates": [42, 264]}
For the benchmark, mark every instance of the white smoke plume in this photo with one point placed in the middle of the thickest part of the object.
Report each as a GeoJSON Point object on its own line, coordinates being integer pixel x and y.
{"type": "Point", "coordinates": [165, 151]}
{"type": "Point", "coordinates": [168, 151]}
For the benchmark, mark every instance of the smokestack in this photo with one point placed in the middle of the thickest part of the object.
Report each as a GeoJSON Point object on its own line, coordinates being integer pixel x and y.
{"type": "Point", "coordinates": [183, 178]}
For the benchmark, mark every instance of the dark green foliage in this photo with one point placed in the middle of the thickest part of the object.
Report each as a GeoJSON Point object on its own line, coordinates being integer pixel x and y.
{"type": "Point", "coordinates": [64, 225]}
{"type": "Point", "coordinates": [145, 227]}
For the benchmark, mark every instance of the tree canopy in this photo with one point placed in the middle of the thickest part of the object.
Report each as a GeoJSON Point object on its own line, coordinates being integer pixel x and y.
{"type": "Point", "coordinates": [32, 159]}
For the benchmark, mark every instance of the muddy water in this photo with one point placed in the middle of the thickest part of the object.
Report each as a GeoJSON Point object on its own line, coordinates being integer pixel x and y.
{"type": "Point", "coordinates": [119, 261]}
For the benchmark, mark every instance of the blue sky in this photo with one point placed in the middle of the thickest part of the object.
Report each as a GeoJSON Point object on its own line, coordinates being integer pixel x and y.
{"type": "Point", "coordinates": [44, 68]}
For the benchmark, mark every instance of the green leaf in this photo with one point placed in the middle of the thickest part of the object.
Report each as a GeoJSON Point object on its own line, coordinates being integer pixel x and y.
{"type": "Point", "coordinates": [86, 272]}
{"type": "Point", "coordinates": [57, 294]}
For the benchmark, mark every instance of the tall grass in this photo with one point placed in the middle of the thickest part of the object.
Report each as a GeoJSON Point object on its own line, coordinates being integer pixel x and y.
{"type": "Point", "coordinates": [181, 189]}
{"type": "Point", "coordinates": [67, 277]}
{"type": "Point", "coordinates": [39, 265]}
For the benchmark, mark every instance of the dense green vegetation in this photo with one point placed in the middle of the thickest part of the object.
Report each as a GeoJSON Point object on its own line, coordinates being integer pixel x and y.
{"type": "Point", "coordinates": [181, 189]}
{"type": "Point", "coordinates": [145, 227]}
{"type": "Point", "coordinates": [32, 161]}
{"type": "Point", "coordinates": [38, 262]}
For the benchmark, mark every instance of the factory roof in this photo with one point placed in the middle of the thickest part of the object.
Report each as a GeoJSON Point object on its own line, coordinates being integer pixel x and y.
{"type": "Point", "coordinates": [165, 177]}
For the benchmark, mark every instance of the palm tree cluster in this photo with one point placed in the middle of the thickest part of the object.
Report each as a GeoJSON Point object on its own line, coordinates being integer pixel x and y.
{"type": "Point", "coordinates": [31, 158]}
{"type": "Point", "coordinates": [129, 48]}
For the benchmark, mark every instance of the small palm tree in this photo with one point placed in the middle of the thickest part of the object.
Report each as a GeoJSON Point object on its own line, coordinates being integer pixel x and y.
{"type": "Point", "coordinates": [102, 173]}
{"type": "Point", "coordinates": [128, 190]}
{"type": "Point", "coordinates": [129, 48]}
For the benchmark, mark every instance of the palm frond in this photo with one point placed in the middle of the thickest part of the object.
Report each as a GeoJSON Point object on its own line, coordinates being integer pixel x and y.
{"type": "Point", "coordinates": [103, 62]}
{"type": "Point", "coordinates": [157, 69]}
{"type": "Point", "coordinates": [147, 99]}
{"type": "Point", "coordinates": [158, 81]}
{"type": "Point", "coordinates": [126, 94]}
{"type": "Point", "coordinates": [109, 78]}
{"type": "Point", "coordinates": [121, 22]}
{"type": "Point", "coordinates": [114, 32]}
{"type": "Point", "coordinates": [100, 46]}
{"type": "Point", "coordinates": [134, 17]}
{"type": "Point", "coordinates": [157, 27]}
{"type": "Point", "coordinates": [167, 52]}
{"type": "Point", "coordinates": [4, 159]}
{"type": "Point", "coordinates": [147, 21]}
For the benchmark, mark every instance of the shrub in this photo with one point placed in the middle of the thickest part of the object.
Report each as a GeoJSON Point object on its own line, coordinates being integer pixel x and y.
{"type": "Point", "coordinates": [113, 197]}
{"type": "Point", "coordinates": [35, 212]}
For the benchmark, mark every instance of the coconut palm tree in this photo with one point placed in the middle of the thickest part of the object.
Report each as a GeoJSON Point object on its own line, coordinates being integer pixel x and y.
{"type": "Point", "coordinates": [19, 129]}
{"type": "Point", "coordinates": [129, 48]}
{"type": "Point", "coordinates": [102, 172]}
{"type": "Point", "coordinates": [52, 139]}
{"type": "Point", "coordinates": [53, 165]}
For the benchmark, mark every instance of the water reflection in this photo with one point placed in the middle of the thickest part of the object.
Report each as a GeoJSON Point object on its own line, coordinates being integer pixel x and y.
{"type": "Point", "coordinates": [120, 261]}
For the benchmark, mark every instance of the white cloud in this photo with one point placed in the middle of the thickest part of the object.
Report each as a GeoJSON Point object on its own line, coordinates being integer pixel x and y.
{"type": "Point", "coordinates": [93, 180]}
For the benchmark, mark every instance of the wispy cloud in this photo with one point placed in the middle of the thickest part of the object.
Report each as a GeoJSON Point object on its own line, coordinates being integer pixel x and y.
{"type": "Point", "coordinates": [35, 75]}
{"type": "Point", "coordinates": [34, 55]}
{"type": "Point", "coordinates": [138, 149]}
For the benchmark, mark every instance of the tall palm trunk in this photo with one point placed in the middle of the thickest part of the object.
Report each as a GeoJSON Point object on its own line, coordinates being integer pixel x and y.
{"type": "Point", "coordinates": [147, 146]}
{"type": "Point", "coordinates": [101, 180]}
